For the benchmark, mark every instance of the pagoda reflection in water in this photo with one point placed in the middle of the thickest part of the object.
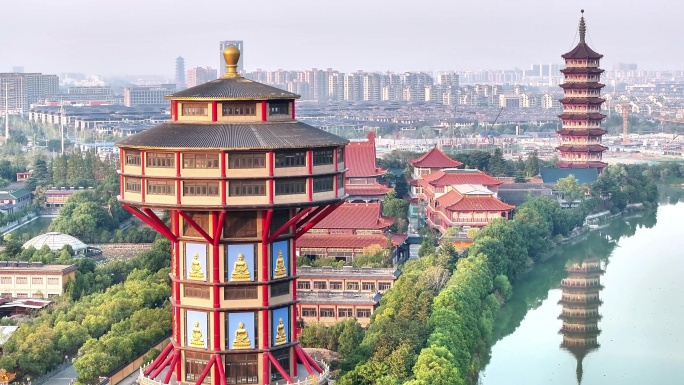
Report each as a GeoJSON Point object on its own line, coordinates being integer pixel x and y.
{"type": "Point", "coordinates": [580, 313]}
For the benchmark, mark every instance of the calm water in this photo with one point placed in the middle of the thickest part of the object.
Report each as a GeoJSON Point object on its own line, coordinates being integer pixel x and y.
{"type": "Point", "coordinates": [37, 227]}
{"type": "Point", "coordinates": [642, 337]}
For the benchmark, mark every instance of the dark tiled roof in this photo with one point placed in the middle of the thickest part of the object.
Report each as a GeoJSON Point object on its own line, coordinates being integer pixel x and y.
{"type": "Point", "coordinates": [582, 132]}
{"type": "Point", "coordinates": [582, 51]}
{"type": "Point", "coordinates": [366, 189]}
{"type": "Point", "coordinates": [582, 85]}
{"type": "Point", "coordinates": [581, 165]}
{"type": "Point", "coordinates": [582, 70]}
{"type": "Point", "coordinates": [583, 175]}
{"type": "Point", "coordinates": [237, 88]}
{"type": "Point", "coordinates": [582, 100]}
{"type": "Point", "coordinates": [592, 115]}
{"type": "Point", "coordinates": [433, 159]}
{"type": "Point", "coordinates": [582, 148]}
{"type": "Point", "coordinates": [519, 195]}
{"type": "Point", "coordinates": [244, 136]}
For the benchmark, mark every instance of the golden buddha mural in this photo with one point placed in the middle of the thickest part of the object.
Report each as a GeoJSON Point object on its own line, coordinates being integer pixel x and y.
{"type": "Point", "coordinates": [195, 260]}
{"type": "Point", "coordinates": [281, 337]}
{"type": "Point", "coordinates": [241, 339]}
{"type": "Point", "coordinates": [240, 270]}
{"type": "Point", "coordinates": [197, 340]}
{"type": "Point", "coordinates": [280, 270]}
{"type": "Point", "coordinates": [280, 258]}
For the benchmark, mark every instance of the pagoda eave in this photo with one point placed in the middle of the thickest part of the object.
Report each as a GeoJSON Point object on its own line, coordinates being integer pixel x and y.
{"type": "Point", "coordinates": [582, 70]}
{"type": "Point", "coordinates": [594, 164]}
{"type": "Point", "coordinates": [581, 85]}
{"type": "Point", "coordinates": [582, 132]}
{"type": "Point", "coordinates": [585, 149]}
{"type": "Point", "coordinates": [582, 100]}
{"type": "Point", "coordinates": [582, 116]}
{"type": "Point", "coordinates": [190, 207]}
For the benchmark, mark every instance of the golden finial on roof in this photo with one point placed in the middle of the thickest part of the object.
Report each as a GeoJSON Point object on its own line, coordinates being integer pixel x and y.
{"type": "Point", "coordinates": [231, 54]}
{"type": "Point", "coordinates": [6, 377]}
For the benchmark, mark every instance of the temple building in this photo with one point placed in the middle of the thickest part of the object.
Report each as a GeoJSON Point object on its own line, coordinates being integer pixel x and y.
{"type": "Point", "coordinates": [361, 183]}
{"type": "Point", "coordinates": [242, 180]}
{"type": "Point", "coordinates": [328, 295]}
{"type": "Point", "coordinates": [581, 132]}
{"type": "Point", "coordinates": [431, 162]}
{"type": "Point", "coordinates": [349, 231]}
{"type": "Point", "coordinates": [580, 315]}
{"type": "Point", "coordinates": [462, 198]}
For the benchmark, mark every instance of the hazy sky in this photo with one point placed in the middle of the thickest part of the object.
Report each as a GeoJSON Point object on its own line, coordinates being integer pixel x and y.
{"type": "Point", "coordinates": [145, 36]}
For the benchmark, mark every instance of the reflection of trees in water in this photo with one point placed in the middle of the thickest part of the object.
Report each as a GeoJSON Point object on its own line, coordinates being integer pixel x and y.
{"type": "Point", "coordinates": [531, 291]}
{"type": "Point", "coordinates": [670, 195]}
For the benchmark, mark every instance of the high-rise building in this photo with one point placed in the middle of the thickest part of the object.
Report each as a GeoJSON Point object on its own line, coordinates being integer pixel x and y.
{"type": "Point", "coordinates": [180, 73]}
{"type": "Point", "coordinates": [150, 95]}
{"type": "Point", "coordinates": [222, 62]}
{"type": "Point", "coordinates": [581, 132]}
{"type": "Point", "coordinates": [18, 69]}
{"type": "Point", "coordinates": [580, 314]}
{"type": "Point", "coordinates": [199, 75]}
{"type": "Point", "coordinates": [24, 89]}
{"type": "Point", "coordinates": [241, 180]}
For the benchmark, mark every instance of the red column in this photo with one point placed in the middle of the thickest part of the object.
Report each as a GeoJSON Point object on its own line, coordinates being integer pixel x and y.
{"type": "Point", "coordinates": [335, 181]}
{"type": "Point", "coordinates": [293, 109]}
{"type": "Point", "coordinates": [309, 161]}
{"type": "Point", "coordinates": [264, 109]}
{"type": "Point", "coordinates": [174, 110]}
{"type": "Point", "coordinates": [214, 112]}
{"type": "Point", "coordinates": [178, 164]}
{"type": "Point", "coordinates": [121, 186]}
{"type": "Point", "coordinates": [142, 162]}
{"type": "Point", "coordinates": [179, 192]}
{"type": "Point", "coordinates": [265, 274]}
{"type": "Point", "coordinates": [270, 160]}
{"type": "Point", "coordinates": [335, 162]}
{"type": "Point", "coordinates": [175, 292]}
{"type": "Point", "coordinates": [271, 191]}
{"type": "Point", "coordinates": [143, 188]}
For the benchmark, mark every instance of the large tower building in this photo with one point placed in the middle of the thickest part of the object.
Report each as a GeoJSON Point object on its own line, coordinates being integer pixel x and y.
{"type": "Point", "coordinates": [581, 132]}
{"type": "Point", "coordinates": [580, 315]}
{"type": "Point", "coordinates": [241, 180]}
{"type": "Point", "coordinates": [222, 62]}
{"type": "Point", "coordinates": [180, 73]}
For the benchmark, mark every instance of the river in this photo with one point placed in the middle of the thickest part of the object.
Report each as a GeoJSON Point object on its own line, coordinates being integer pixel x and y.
{"type": "Point", "coordinates": [634, 266]}
{"type": "Point", "coordinates": [36, 227]}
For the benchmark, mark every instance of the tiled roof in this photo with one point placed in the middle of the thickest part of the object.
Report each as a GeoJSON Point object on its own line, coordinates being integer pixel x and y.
{"type": "Point", "coordinates": [582, 70]}
{"type": "Point", "coordinates": [359, 159]}
{"type": "Point", "coordinates": [582, 132]}
{"type": "Point", "coordinates": [356, 216]}
{"type": "Point", "coordinates": [435, 158]}
{"type": "Point", "coordinates": [582, 100]}
{"type": "Point", "coordinates": [580, 148]}
{"type": "Point", "coordinates": [348, 241]}
{"type": "Point", "coordinates": [366, 189]}
{"type": "Point", "coordinates": [582, 85]}
{"type": "Point", "coordinates": [579, 165]}
{"type": "Point", "coordinates": [453, 201]}
{"type": "Point", "coordinates": [236, 88]}
{"type": "Point", "coordinates": [451, 177]}
{"type": "Point", "coordinates": [593, 115]}
{"type": "Point", "coordinates": [582, 51]}
{"type": "Point", "coordinates": [398, 239]}
{"type": "Point", "coordinates": [266, 135]}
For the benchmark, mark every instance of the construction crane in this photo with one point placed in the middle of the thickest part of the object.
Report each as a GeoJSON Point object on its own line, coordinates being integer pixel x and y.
{"type": "Point", "coordinates": [675, 135]}
{"type": "Point", "coordinates": [486, 137]}
{"type": "Point", "coordinates": [625, 123]}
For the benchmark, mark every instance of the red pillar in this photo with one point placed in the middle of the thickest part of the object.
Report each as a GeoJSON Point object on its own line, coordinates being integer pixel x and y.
{"type": "Point", "coordinates": [264, 109]}
{"type": "Point", "coordinates": [214, 112]}
{"type": "Point", "coordinates": [293, 109]}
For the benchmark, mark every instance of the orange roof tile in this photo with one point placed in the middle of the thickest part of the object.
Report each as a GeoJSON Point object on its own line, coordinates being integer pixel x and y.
{"type": "Point", "coordinates": [356, 216]}
{"type": "Point", "coordinates": [452, 177]}
{"type": "Point", "coordinates": [359, 159]}
{"type": "Point", "coordinates": [341, 241]}
{"type": "Point", "coordinates": [366, 189]}
{"type": "Point", "coordinates": [479, 204]}
{"type": "Point", "coordinates": [435, 158]}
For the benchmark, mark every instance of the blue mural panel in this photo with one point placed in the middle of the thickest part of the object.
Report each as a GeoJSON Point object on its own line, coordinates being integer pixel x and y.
{"type": "Point", "coordinates": [240, 263]}
{"type": "Point", "coordinates": [280, 321]}
{"type": "Point", "coordinates": [241, 331]}
{"type": "Point", "coordinates": [196, 329]}
{"type": "Point", "coordinates": [280, 259]}
{"type": "Point", "coordinates": [196, 261]}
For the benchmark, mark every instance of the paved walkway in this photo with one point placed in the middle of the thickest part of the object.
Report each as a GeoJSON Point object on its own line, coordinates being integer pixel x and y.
{"type": "Point", "coordinates": [64, 377]}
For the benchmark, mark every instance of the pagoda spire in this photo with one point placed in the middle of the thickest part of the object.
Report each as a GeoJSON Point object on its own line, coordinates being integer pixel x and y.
{"type": "Point", "coordinates": [582, 27]}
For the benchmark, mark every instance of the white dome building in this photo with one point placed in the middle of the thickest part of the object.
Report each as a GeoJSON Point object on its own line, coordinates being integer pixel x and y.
{"type": "Point", "coordinates": [55, 241]}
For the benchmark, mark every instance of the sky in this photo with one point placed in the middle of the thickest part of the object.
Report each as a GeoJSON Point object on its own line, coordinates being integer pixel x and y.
{"type": "Point", "coordinates": [115, 37]}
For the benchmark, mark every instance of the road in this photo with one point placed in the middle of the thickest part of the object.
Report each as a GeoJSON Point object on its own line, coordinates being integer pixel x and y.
{"type": "Point", "coordinates": [64, 377]}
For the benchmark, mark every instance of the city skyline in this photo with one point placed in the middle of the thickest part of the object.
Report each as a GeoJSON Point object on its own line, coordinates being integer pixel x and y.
{"type": "Point", "coordinates": [379, 36]}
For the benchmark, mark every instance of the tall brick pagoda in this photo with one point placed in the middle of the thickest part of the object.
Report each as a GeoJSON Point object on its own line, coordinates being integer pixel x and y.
{"type": "Point", "coordinates": [581, 132]}
{"type": "Point", "coordinates": [241, 180]}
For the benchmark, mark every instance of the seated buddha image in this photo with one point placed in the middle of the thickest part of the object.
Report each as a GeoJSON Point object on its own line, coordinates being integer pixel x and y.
{"type": "Point", "coordinates": [281, 337]}
{"type": "Point", "coordinates": [240, 270]}
{"type": "Point", "coordinates": [196, 269]}
{"type": "Point", "coordinates": [196, 340]}
{"type": "Point", "coordinates": [241, 340]}
{"type": "Point", "coordinates": [280, 271]}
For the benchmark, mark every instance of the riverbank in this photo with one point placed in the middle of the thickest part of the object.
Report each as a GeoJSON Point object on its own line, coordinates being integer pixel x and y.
{"type": "Point", "coordinates": [635, 342]}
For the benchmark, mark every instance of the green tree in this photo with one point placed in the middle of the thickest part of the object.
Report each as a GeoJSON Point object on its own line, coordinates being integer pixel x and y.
{"type": "Point", "coordinates": [497, 164]}
{"type": "Point", "coordinates": [532, 164]}
{"type": "Point", "coordinates": [570, 188]}
{"type": "Point", "coordinates": [435, 367]}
